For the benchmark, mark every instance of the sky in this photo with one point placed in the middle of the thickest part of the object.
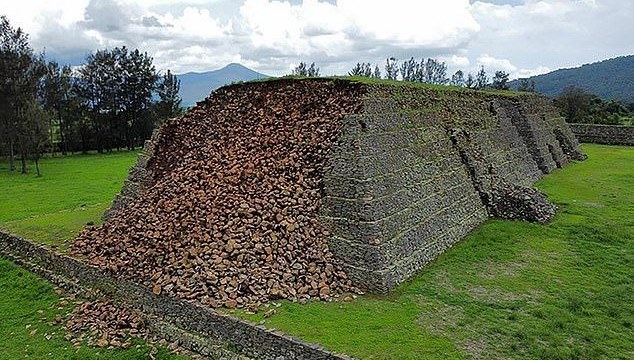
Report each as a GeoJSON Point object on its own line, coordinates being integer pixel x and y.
{"type": "Point", "coordinates": [521, 37]}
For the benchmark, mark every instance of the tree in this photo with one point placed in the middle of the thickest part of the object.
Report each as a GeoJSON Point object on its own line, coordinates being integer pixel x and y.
{"type": "Point", "coordinates": [432, 71]}
{"type": "Point", "coordinates": [409, 69]}
{"type": "Point", "coordinates": [304, 70]}
{"type": "Point", "coordinates": [16, 57]}
{"type": "Point", "coordinates": [457, 79]}
{"type": "Point", "coordinates": [20, 74]}
{"type": "Point", "coordinates": [361, 69]}
{"type": "Point", "coordinates": [116, 87]}
{"type": "Point", "coordinates": [313, 70]}
{"type": "Point", "coordinates": [391, 68]}
{"type": "Point", "coordinates": [526, 85]}
{"type": "Point", "coordinates": [138, 82]}
{"type": "Point", "coordinates": [56, 94]}
{"type": "Point", "coordinates": [580, 106]}
{"type": "Point", "coordinates": [82, 133]}
{"type": "Point", "coordinates": [439, 73]}
{"type": "Point", "coordinates": [377, 72]}
{"type": "Point", "coordinates": [169, 104]}
{"type": "Point", "coordinates": [575, 104]}
{"type": "Point", "coordinates": [470, 81]}
{"type": "Point", "coordinates": [481, 80]}
{"type": "Point", "coordinates": [33, 133]}
{"type": "Point", "coordinates": [500, 80]}
{"type": "Point", "coordinates": [97, 89]}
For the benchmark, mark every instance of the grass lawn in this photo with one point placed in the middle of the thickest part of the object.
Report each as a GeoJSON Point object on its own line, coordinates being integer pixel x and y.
{"type": "Point", "coordinates": [509, 290]}
{"type": "Point", "coordinates": [52, 209]}
{"type": "Point", "coordinates": [71, 192]}
{"type": "Point", "coordinates": [27, 305]}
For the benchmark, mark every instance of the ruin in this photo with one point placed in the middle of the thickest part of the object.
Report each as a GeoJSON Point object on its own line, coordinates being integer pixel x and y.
{"type": "Point", "coordinates": [308, 188]}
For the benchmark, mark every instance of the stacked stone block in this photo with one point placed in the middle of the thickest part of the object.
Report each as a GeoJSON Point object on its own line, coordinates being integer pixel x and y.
{"type": "Point", "coordinates": [604, 134]}
{"type": "Point", "coordinates": [416, 169]}
{"type": "Point", "coordinates": [400, 190]}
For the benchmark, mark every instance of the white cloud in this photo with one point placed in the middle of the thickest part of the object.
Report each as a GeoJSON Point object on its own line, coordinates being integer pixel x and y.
{"type": "Point", "coordinates": [554, 33]}
{"type": "Point", "coordinates": [30, 14]}
{"type": "Point", "coordinates": [489, 62]}
{"type": "Point", "coordinates": [522, 38]}
{"type": "Point", "coordinates": [315, 26]}
{"type": "Point", "coordinates": [492, 65]}
{"type": "Point", "coordinates": [456, 61]}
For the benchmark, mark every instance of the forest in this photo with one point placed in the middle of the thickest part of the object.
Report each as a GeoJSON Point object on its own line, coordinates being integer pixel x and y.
{"type": "Point", "coordinates": [111, 102]}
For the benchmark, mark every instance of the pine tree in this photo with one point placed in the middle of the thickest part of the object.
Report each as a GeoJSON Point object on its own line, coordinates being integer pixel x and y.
{"type": "Point", "coordinates": [408, 70]}
{"type": "Point", "coordinates": [304, 70]}
{"type": "Point", "coordinates": [391, 68]}
{"type": "Point", "coordinates": [500, 80]}
{"type": "Point", "coordinates": [117, 87]}
{"type": "Point", "coordinates": [481, 80]}
{"type": "Point", "coordinates": [470, 81]}
{"type": "Point", "coordinates": [457, 79]}
{"type": "Point", "coordinates": [169, 104]}
{"type": "Point", "coordinates": [377, 72]}
{"type": "Point", "coordinates": [16, 57]}
{"type": "Point", "coordinates": [21, 72]}
{"type": "Point", "coordinates": [361, 69]}
{"type": "Point", "coordinates": [56, 95]}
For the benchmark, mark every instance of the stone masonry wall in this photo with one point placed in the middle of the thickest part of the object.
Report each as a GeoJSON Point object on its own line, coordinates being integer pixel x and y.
{"type": "Point", "coordinates": [419, 168]}
{"type": "Point", "coordinates": [401, 190]}
{"type": "Point", "coordinates": [604, 134]}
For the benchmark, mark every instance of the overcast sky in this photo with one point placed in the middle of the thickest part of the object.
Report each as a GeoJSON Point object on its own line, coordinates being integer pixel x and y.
{"type": "Point", "coordinates": [522, 37]}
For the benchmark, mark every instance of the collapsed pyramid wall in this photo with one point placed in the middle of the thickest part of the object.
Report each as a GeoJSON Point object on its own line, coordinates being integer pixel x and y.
{"type": "Point", "coordinates": [400, 192]}
{"type": "Point", "coordinates": [409, 173]}
{"type": "Point", "coordinates": [222, 207]}
{"type": "Point", "coordinates": [138, 177]}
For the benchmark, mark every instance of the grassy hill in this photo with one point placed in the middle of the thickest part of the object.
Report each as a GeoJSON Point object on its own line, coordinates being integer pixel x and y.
{"type": "Point", "coordinates": [608, 79]}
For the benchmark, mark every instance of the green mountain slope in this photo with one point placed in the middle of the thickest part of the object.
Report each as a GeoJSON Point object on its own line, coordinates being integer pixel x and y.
{"type": "Point", "coordinates": [608, 79]}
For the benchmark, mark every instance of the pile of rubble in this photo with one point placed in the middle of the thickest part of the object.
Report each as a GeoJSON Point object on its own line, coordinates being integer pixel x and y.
{"type": "Point", "coordinates": [521, 203]}
{"type": "Point", "coordinates": [229, 217]}
{"type": "Point", "coordinates": [104, 324]}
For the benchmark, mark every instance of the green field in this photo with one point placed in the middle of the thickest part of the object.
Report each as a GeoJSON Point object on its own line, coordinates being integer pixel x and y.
{"type": "Point", "coordinates": [71, 192]}
{"type": "Point", "coordinates": [28, 305]}
{"type": "Point", "coordinates": [509, 290]}
{"type": "Point", "coordinates": [51, 209]}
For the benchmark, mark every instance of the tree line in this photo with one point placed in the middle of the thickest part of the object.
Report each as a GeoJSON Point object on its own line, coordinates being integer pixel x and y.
{"type": "Point", "coordinates": [113, 101]}
{"type": "Point", "coordinates": [580, 106]}
{"type": "Point", "coordinates": [430, 71]}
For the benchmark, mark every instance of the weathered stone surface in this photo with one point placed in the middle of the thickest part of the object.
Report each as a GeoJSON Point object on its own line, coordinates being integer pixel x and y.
{"type": "Point", "coordinates": [604, 134]}
{"type": "Point", "coordinates": [301, 189]}
{"type": "Point", "coordinates": [418, 169]}
{"type": "Point", "coordinates": [226, 207]}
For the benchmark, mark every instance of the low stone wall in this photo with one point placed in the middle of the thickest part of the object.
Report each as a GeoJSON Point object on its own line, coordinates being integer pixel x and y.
{"type": "Point", "coordinates": [604, 134]}
{"type": "Point", "coordinates": [174, 314]}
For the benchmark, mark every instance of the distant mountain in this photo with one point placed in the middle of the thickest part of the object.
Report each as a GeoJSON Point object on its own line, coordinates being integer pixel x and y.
{"type": "Point", "coordinates": [197, 86]}
{"type": "Point", "coordinates": [608, 79]}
